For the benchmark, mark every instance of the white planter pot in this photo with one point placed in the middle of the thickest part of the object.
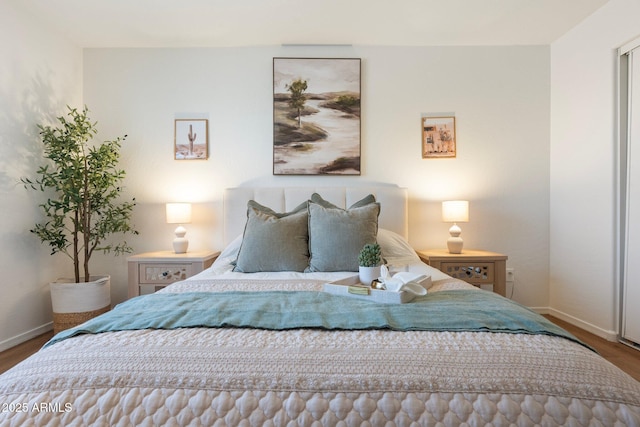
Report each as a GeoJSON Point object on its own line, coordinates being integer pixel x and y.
{"type": "Point", "coordinates": [368, 274]}
{"type": "Point", "coordinates": [75, 303]}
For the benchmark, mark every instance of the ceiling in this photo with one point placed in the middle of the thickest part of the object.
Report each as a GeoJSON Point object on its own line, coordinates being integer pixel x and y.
{"type": "Point", "coordinates": [195, 23]}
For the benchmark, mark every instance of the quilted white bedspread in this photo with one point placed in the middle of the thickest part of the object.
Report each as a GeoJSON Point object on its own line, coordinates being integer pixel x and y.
{"type": "Point", "coordinates": [207, 377]}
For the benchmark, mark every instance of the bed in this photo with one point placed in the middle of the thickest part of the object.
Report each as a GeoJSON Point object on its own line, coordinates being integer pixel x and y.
{"type": "Point", "coordinates": [251, 341]}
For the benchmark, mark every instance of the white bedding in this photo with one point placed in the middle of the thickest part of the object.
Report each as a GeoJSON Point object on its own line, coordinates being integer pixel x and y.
{"type": "Point", "coordinates": [232, 376]}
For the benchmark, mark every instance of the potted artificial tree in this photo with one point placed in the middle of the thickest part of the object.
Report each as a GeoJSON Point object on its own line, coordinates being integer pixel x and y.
{"type": "Point", "coordinates": [83, 209]}
{"type": "Point", "coordinates": [369, 261]}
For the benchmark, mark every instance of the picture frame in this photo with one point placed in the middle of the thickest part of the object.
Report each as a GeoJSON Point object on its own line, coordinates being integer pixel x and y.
{"type": "Point", "coordinates": [191, 139]}
{"type": "Point", "coordinates": [438, 137]}
{"type": "Point", "coordinates": [316, 116]}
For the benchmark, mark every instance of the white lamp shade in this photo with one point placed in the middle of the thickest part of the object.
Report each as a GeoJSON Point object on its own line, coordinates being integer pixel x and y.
{"type": "Point", "coordinates": [455, 211]}
{"type": "Point", "coordinates": [178, 213]}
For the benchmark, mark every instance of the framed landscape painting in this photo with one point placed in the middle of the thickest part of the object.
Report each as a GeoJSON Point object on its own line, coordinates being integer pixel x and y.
{"type": "Point", "coordinates": [316, 116]}
{"type": "Point", "coordinates": [191, 140]}
{"type": "Point", "coordinates": [438, 137]}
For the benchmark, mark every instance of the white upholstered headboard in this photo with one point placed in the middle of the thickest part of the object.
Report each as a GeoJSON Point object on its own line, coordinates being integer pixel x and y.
{"type": "Point", "coordinates": [393, 204]}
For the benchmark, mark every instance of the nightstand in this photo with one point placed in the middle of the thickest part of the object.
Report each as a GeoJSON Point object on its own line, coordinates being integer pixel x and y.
{"type": "Point", "coordinates": [159, 269]}
{"type": "Point", "coordinates": [476, 267]}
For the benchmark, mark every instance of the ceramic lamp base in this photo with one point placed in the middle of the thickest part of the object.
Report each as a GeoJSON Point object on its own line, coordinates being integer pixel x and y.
{"type": "Point", "coordinates": [180, 243]}
{"type": "Point", "coordinates": [454, 243]}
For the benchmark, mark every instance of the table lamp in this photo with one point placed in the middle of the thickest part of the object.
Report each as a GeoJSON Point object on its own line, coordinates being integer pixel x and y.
{"type": "Point", "coordinates": [179, 213]}
{"type": "Point", "coordinates": [455, 211]}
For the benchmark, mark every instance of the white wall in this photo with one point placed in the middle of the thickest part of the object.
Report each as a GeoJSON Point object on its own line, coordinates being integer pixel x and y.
{"type": "Point", "coordinates": [39, 74]}
{"type": "Point", "coordinates": [583, 171]}
{"type": "Point", "coordinates": [500, 97]}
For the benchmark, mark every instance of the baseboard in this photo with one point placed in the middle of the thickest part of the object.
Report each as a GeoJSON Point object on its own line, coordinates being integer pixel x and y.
{"type": "Point", "coordinates": [540, 310]}
{"type": "Point", "coordinates": [19, 339]}
{"type": "Point", "coordinates": [595, 330]}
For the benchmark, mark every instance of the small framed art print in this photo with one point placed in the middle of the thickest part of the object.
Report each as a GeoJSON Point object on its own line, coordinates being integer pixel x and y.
{"type": "Point", "coordinates": [191, 139]}
{"type": "Point", "coordinates": [438, 137]}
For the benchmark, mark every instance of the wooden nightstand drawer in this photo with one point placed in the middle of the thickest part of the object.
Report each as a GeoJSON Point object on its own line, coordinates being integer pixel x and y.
{"type": "Point", "coordinates": [480, 268]}
{"type": "Point", "coordinates": [476, 273]}
{"type": "Point", "coordinates": [155, 270]}
{"type": "Point", "coordinates": [163, 273]}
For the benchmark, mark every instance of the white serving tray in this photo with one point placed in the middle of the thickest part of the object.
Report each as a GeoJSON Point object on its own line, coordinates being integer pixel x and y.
{"type": "Point", "coordinates": [352, 287]}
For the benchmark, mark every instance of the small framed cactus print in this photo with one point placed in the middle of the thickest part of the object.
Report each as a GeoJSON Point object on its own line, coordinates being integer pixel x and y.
{"type": "Point", "coordinates": [191, 139]}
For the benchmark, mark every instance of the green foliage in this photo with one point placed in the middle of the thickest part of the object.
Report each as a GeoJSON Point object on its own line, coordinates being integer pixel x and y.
{"type": "Point", "coordinates": [297, 100]}
{"type": "Point", "coordinates": [83, 182]}
{"type": "Point", "coordinates": [370, 255]}
{"type": "Point", "coordinates": [341, 163]}
{"type": "Point", "coordinates": [347, 101]}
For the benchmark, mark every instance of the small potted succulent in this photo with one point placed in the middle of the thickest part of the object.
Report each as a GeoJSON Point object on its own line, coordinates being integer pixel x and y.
{"type": "Point", "coordinates": [369, 261]}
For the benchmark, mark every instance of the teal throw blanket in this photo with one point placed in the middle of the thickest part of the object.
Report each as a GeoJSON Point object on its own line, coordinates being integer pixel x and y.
{"type": "Point", "coordinates": [456, 310]}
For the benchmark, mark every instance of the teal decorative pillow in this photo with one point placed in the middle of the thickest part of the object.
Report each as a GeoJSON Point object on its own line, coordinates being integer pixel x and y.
{"type": "Point", "coordinates": [336, 235]}
{"type": "Point", "coordinates": [274, 241]}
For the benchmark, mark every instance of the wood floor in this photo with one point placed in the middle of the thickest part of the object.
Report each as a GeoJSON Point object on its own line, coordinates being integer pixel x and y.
{"type": "Point", "coordinates": [15, 355]}
{"type": "Point", "coordinates": [626, 358]}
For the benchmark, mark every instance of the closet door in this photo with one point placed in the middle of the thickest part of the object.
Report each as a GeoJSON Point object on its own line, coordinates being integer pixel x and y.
{"type": "Point", "coordinates": [631, 269]}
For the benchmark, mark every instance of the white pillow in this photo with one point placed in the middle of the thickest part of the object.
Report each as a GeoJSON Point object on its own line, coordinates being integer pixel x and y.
{"type": "Point", "coordinates": [230, 253]}
{"type": "Point", "coordinates": [395, 249]}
